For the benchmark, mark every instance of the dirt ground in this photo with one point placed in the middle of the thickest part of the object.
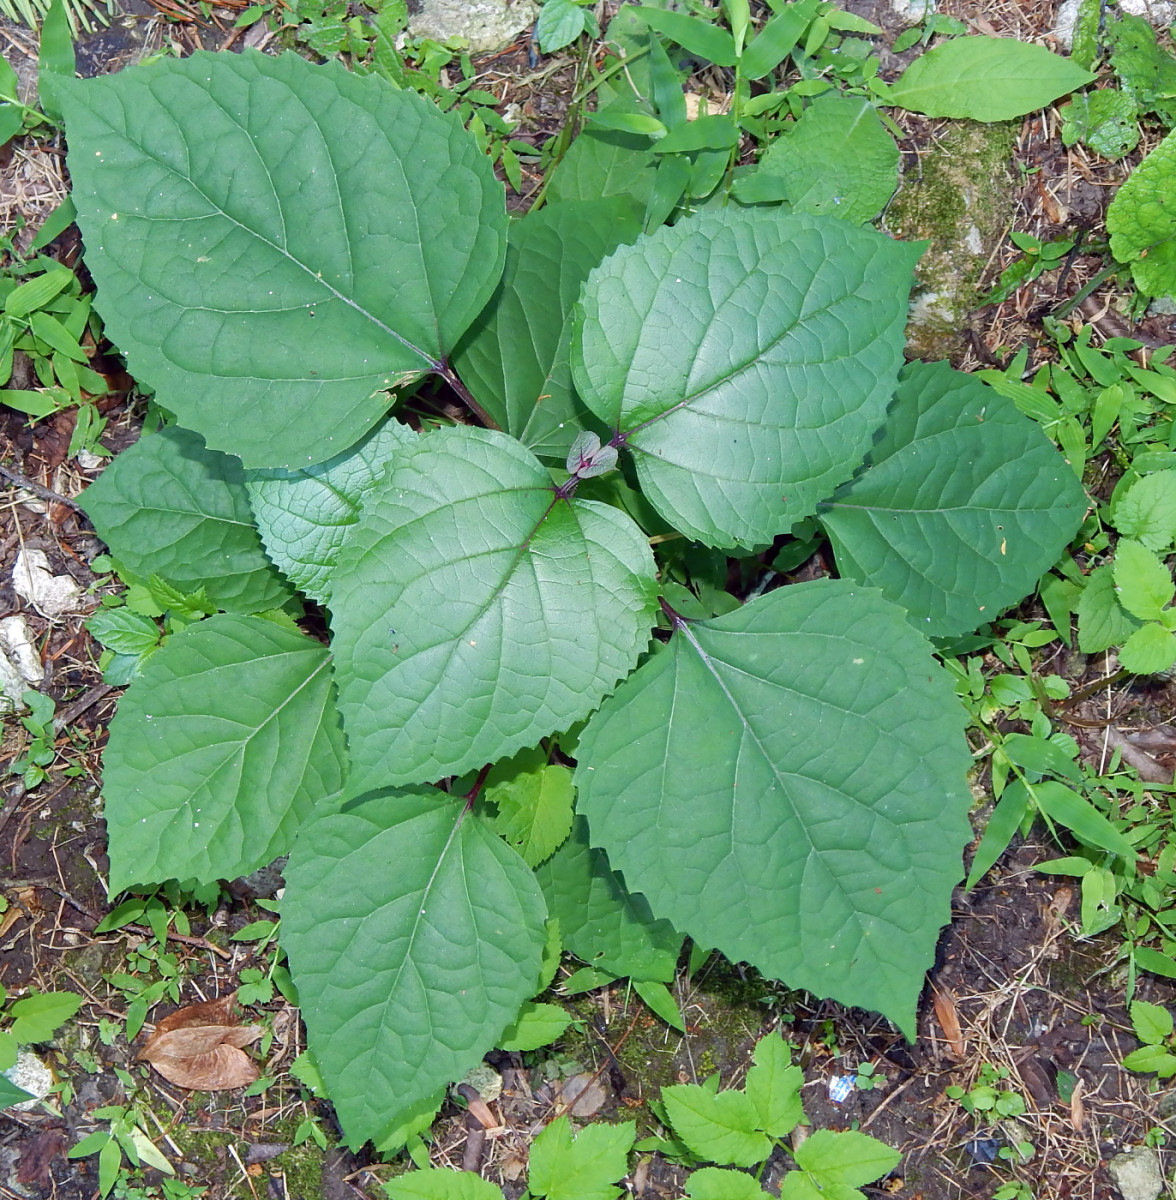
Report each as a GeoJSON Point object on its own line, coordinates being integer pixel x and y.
{"type": "Point", "coordinates": [1014, 986]}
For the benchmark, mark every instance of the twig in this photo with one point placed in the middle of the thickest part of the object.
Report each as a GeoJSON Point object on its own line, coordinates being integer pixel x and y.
{"type": "Point", "coordinates": [71, 712]}
{"type": "Point", "coordinates": [23, 481]}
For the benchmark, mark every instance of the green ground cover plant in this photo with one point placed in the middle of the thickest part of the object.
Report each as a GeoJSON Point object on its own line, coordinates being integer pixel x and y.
{"type": "Point", "coordinates": [656, 405]}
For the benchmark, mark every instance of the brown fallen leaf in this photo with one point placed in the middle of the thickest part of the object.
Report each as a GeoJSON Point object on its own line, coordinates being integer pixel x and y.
{"type": "Point", "coordinates": [1077, 1108]}
{"type": "Point", "coordinates": [201, 1047]}
{"type": "Point", "coordinates": [949, 1022]}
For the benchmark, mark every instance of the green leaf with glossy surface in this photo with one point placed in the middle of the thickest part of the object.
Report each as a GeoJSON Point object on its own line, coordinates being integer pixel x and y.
{"type": "Point", "coordinates": [304, 517]}
{"type": "Point", "coordinates": [837, 159]}
{"type": "Point", "coordinates": [738, 427]}
{"type": "Point", "coordinates": [414, 934]}
{"type": "Point", "coordinates": [1141, 220]}
{"type": "Point", "coordinates": [219, 751]}
{"type": "Point", "coordinates": [167, 506]}
{"type": "Point", "coordinates": [515, 357]}
{"type": "Point", "coordinates": [583, 1167]}
{"type": "Point", "coordinates": [276, 243]}
{"type": "Point", "coordinates": [474, 612]}
{"type": "Point", "coordinates": [964, 503]}
{"type": "Point", "coordinates": [785, 783]}
{"type": "Point", "coordinates": [985, 79]}
{"type": "Point", "coordinates": [599, 920]}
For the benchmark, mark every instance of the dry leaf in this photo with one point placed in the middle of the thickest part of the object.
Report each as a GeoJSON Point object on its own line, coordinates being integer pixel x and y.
{"type": "Point", "coordinates": [200, 1047]}
{"type": "Point", "coordinates": [1077, 1108]}
{"type": "Point", "coordinates": [949, 1022]}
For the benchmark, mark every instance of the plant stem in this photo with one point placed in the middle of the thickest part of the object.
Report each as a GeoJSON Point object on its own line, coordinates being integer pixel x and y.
{"type": "Point", "coordinates": [450, 376]}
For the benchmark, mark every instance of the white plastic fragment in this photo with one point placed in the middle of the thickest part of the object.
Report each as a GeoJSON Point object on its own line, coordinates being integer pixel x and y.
{"type": "Point", "coordinates": [841, 1088]}
{"type": "Point", "coordinates": [51, 595]}
{"type": "Point", "coordinates": [20, 665]}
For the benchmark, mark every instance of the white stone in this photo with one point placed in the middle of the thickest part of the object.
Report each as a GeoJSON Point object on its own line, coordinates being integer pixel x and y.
{"type": "Point", "coordinates": [1158, 12]}
{"type": "Point", "coordinates": [1137, 1174]}
{"type": "Point", "coordinates": [486, 25]}
{"type": "Point", "coordinates": [30, 1074]}
{"type": "Point", "coordinates": [913, 11]}
{"type": "Point", "coordinates": [20, 665]}
{"type": "Point", "coordinates": [51, 595]}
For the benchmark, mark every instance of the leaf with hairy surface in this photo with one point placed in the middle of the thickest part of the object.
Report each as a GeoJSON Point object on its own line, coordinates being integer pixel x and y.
{"type": "Point", "coordinates": [747, 357]}
{"type": "Point", "coordinates": [218, 752]}
{"type": "Point", "coordinates": [414, 934]}
{"type": "Point", "coordinates": [786, 783]}
{"type": "Point", "coordinates": [276, 243]}
{"type": "Point", "coordinates": [475, 612]}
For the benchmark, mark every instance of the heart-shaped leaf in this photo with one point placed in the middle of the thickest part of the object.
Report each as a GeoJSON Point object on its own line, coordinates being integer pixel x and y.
{"type": "Point", "coordinates": [740, 426]}
{"type": "Point", "coordinates": [475, 611]}
{"type": "Point", "coordinates": [219, 751]}
{"type": "Point", "coordinates": [786, 783]}
{"type": "Point", "coordinates": [963, 505]}
{"type": "Point", "coordinates": [413, 932]}
{"type": "Point", "coordinates": [276, 243]}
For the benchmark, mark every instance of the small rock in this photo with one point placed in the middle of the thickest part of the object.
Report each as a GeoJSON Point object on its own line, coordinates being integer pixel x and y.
{"type": "Point", "coordinates": [486, 25]}
{"type": "Point", "coordinates": [485, 1080]}
{"type": "Point", "coordinates": [584, 1094]}
{"type": "Point", "coordinates": [913, 11]}
{"type": "Point", "coordinates": [20, 664]}
{"type": "Point", "coordinates": [30, 1074]}
{"type": "Point", "coordinates": [51, 595]}
{"type": "Point", "coordinates": [1137, 1174]}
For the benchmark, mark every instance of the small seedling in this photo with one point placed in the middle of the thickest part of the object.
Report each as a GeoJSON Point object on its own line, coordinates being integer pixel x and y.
{"type": "Point", "coordinates": [1153, 1027]}
{"type": "Point", "coordinates": [986, 1096]}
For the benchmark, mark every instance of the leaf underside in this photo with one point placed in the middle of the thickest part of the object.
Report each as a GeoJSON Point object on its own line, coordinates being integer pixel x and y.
{"type": "Point", "coordinates": [414, 934]}
{"type": "Point", "coordinates": [219, 751]}
{"type": "Point", "coordinates": [276, 243]}
{"type": "Point", "coordinates": [963, 505]}
{"type": "Point", "coordinates": [786, 783]}
{"type": "Point", "coordinates": [748, 356]}
{"type": "Point", "coordinates": [474, 613]}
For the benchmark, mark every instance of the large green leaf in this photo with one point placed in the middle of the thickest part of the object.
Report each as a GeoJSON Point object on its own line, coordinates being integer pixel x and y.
{"type": "Point", "coordinates": [986, 79]}
{"type": "Point", "coordinates": [964, 503]}
{"type": "Point", "coordinates": [601, 163]}
{"type": "Point", "coordinates": [837, 159]}
{"type": "Point", "coordinates": [747, 356]}
{"type": "Point", "coordinates": [1142, 221]}
{"type": "Point", "coordinates": [219, 751]}
{"type": "Point", "coordinates": [276, 243]}
{"type": "Point", "coordinates": [515, 357]}
{"type": "Point", "coordinates": [414, 934]}
{"type": "Point", "coordinates": [305, 516]}
{"type": "Point", "coordinates": [475, 612]}
{"type": "Point", "coordinates": [786, 783]}
{"type": "Point", "coordinates": [599, 921]}
{"type": "Point", "coordinates": [167, 506]}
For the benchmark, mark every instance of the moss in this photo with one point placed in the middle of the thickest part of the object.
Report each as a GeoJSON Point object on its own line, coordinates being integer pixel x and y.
{"type": "Point", "coordinates": [960, 200]}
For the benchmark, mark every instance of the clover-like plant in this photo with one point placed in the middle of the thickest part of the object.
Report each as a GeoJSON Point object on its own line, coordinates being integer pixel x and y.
{"type": "Point", "coordinates": [277, 249]}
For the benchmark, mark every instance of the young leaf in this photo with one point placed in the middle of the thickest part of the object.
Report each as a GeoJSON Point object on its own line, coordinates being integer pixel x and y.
{"type": "Point", "coordinates": [219, 751]}
{"type": "Point", "coordinates": [536, 1025]}
{"type": "Point", "coordinates": [963, 505]}
{"type": "Point", "coordinates": [515, 357]}
{"type": "Point", "coordinates": [1152, 1022]}
{"type": "Point", "coordinates": [1148, 650]}
{"type": "Point", "coordinates": [36, 1017]}
{"type": "Point", "coordinates": [1141, 220]}
{"type": "Point", "coordinates": [583, 1168]}
{"type": "Point", "coordinates": [534, 806]}
{"type": "Point", "coordinates": [167, 506]}
{"type": "Point", "coordinates": [739, 427]}
{"type": "Point", "coordinates": [785, 783]}
{"type": "Point", "coordinates": [985, 79]}
{"type": "Point", "coordinates": [714, 1183]}
{"type": "Point", "coordinates": [275, 243]}
{"type": "Point", "coordinates": [1102, 620]}
{"type": "Point", "coordinates": [773, 1086]}
{"type": "Point", "coordinates": [306, 516]}
{"type": "Point", "coordinates": [1147, 513]}
{"type": "Point", "coordinates": [720, 1128]}
{"type": "Point", "coordinates": [599, 920]}
{"type": "Point", "coordinates": [849, 1159]}
{"type": "Point", "coordinates": [1151, 1058]}
{"type": "Point", "coordinates": [436, 1184]}
{"type": "Point", "coordinates": [1142, 582]}
{"type": "Point", "coordinates": [414, 934]}
{"type": "Point", "coordinates": [474, 612]}
{"type": "Point", "coordinates": [837, 159]}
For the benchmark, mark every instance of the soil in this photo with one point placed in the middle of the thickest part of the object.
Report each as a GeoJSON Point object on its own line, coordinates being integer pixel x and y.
{"type": "Point", "coordinates": [1014, 986]}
